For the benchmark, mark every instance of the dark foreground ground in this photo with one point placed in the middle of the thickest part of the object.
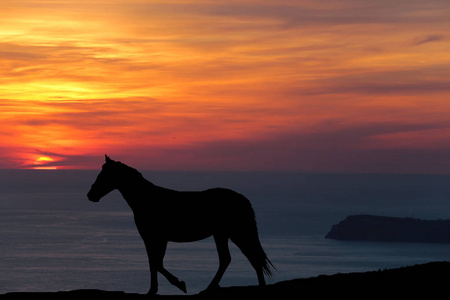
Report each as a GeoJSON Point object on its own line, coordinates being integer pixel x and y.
{"type": "Point", "coordinates": [429, 281]}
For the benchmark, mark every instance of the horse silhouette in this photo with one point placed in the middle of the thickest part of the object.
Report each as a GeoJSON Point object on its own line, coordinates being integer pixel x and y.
{"type": "Point", "coordinates": [162, 215]}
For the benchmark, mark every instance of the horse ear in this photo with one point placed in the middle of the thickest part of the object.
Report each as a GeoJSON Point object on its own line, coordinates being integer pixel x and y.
{"type": "Point", "coordinates": [107, 159]}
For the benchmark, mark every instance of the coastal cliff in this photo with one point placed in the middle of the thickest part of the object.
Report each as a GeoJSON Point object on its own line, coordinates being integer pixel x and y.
{"type": "Point", "coordinates": [390, 229]}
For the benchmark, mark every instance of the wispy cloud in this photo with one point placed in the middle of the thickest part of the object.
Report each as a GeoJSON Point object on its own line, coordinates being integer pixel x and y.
{"type": "Point", "coordinates": [195, 83]}
{"type": "Point", "coordinates": [428, 39]}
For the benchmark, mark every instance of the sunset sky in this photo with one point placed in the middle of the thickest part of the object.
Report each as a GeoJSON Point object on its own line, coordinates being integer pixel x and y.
{"type": "Point", "coordinates": [307, 85]}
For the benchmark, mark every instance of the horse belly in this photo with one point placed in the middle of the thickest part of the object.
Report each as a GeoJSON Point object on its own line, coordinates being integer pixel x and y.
{"type": "Point", "coordinates": [193, 217]}
{"type": "Point", "coordinates": [174, 230]}
{"type": "Point", "coordinates": [188, 232]}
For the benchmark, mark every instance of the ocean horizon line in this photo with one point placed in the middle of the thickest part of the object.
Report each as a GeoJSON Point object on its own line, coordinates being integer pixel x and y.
{"type": "Point", "coordinates": [299, 172]}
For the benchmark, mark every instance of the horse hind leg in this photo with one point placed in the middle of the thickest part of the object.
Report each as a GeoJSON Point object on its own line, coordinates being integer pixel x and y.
{"type": "Point", "coordinates": [254, 252]}
{"type": "Point", "coordinates": [224, 259]}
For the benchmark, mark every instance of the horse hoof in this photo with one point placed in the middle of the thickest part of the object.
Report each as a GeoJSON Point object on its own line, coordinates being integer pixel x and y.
{"type": "Point", "coordinates": [152, 292]}
{"type": "Point", "coordinates": [182, 286]}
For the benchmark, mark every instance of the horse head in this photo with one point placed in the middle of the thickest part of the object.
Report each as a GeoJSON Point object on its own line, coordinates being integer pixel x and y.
{"type": "Point", "coordinates": [106, 181]}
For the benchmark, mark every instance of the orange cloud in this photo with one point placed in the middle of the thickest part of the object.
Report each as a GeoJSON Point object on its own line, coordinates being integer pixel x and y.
{"type": "Point", "coordinates": [241, 84]}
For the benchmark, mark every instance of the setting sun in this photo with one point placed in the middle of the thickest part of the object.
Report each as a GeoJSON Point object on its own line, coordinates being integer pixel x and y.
{"type": "Point", "coordinates": [42, 161]}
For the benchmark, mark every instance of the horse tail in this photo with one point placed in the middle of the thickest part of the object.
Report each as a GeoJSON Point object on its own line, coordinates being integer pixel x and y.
{"type": "Point", "coordinates": [264, 262]}
{"type": "Point", "coordinates": [261, 259]}
{"type": "Point", "coordinates": [247, 239]}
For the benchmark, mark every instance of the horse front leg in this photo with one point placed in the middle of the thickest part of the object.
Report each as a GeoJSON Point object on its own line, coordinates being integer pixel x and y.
{"type": "Point", "coordinates": [153, 265]}
{"type": "Point", "coordinates": [161, 251]}
{"type": "Point", "coordinates": [156, 252]}
{"type": "Point", "coordinates": [173, 280]}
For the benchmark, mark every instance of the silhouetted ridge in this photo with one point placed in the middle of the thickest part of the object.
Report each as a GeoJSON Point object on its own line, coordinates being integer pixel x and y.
{"type": "Point", "coordinates": [425, 281]}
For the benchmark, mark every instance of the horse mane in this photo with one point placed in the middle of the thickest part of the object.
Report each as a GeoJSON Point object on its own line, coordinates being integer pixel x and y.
{"type": "Point", "coordinates": [128, 170]}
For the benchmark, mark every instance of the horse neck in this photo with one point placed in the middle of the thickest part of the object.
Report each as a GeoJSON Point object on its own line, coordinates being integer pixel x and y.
{"type": "Point", "coordinates": [133, 188]}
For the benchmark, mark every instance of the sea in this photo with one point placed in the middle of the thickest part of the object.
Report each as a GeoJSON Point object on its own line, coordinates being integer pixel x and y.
{"type": "Point", "coordinates": [53, 239]}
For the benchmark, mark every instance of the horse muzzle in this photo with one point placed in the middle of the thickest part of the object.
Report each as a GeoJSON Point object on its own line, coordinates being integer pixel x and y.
{"type": "Point", "coordinates": [92, 197]}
